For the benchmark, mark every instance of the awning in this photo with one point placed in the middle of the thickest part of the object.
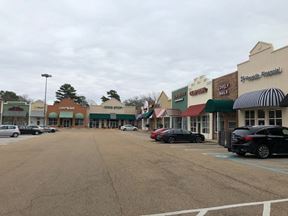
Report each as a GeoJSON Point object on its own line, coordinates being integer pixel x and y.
{"type": "Point", "coordinates": [79, 116]}
{"type": "Point", "coordinates": [99, 116]}
{"type": "Point", "coordinates": [53, 115]}
{"type": "Point", "coordinates": [263, 98]}
{"type": "Point", "coordinates": [284, 102]}
{"type": "Point", "coordinates": [214, 105]}
{"type": "Point", "coordinates": [148, 114]}
{"type": "Point", "coordinates": [66, 115]}
{"type": "Point", "coordinates": [194, 110]}
{"type": "Point", "coordinates": [159, 112]}
{"type": "Point", "coordinates": [139, 117]}
{"type": "Point", "coordinates": [125, 117]}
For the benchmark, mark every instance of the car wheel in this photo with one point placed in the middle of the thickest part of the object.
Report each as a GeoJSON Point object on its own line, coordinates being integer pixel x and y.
{"type": "Point", "coordinates": [241, 154]}
{"type": "Point", "coordinates": [15, 135]}
{"type": "Point", "coordinates": [36, 133]}
{"type": "Point", "coordinates": [124, 129]}
{"type": "Point", "coordinates": [134, 129]}
{"type": "Point", "coordinates": [171, 140]}
{"type": "Point", "coordinates": [263, 151]}
{"type": "Point", "coordinates": [198, 140]}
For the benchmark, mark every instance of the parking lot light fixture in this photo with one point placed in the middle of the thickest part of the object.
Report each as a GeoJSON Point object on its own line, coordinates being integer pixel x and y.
{"type": "Point", "coordinates": [46, 76]}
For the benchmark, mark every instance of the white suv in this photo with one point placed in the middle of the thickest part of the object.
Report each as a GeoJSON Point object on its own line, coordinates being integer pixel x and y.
{"type": "Point", "coordinates": [9, 130]}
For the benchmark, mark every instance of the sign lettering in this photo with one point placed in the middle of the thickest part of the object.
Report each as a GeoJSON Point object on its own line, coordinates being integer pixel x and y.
{"type": "Point", "coordinates": [261, 75]}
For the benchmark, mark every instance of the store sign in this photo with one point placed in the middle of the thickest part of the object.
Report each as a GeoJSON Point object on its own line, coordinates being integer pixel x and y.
{"type": "Point", "coordinates": [263, 74]}
{"type": "Point", "coordinates": [179, 96]}
{"type": "Point", "coordinates": [223, 89]}
{"type": "Point", "coordinates": [198, 91]}
{"type": "Point", "coordinates": [113, 107]}
{"type": "Point", "coordinates": [67, 108]}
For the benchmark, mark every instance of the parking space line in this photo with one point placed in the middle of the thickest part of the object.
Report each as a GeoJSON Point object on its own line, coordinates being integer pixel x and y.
{"type": "Point", "coordinates": [201, 212]}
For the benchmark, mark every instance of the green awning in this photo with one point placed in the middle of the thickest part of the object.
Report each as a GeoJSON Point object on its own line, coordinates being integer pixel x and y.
{"type": "Point", "coordinates": [79, 116]}
{"type": "Point", "coordinates": [125, 117]}
{"type": "Point", "coordinates": [66, 115]}
{"type": "Point", "coordinates": [217, 105]}
{"type": "Point", "coordinates": [148, 114]}
{"type": "Point", "coordinates": [99, 116]}
{"type": "Point", "coordinates": [53, 115]}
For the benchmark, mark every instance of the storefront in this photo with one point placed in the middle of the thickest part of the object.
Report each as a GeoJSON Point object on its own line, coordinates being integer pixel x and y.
{"type": "Point", "coordinates": [179, 104]}
{"type": "Point", "coordinates": [225, 92]}
{"type": "Point", "coordinates": [15, 113]}
{"type": "Point", "coordinates": [36, 116]}
{"type": "Point", "coordinates": [67, 114]}
{"type": "Point", "coordinates": [162, 103]}
{"type": "Point", "coordinates": [111, 114]}
{"type": "Point", "coordinates": [262, 84]}
{"type": "Point", "coordinates": [200, 91]}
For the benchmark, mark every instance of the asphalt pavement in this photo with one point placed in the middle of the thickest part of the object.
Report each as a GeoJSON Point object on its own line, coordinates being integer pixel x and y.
{"type": "Point", "coordinates": [111, 172]}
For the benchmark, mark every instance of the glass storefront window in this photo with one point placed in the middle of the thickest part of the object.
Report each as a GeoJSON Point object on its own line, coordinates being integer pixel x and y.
{"type": "Point", "coordinates": [249, 117]}
{"type": "Point", "coordinates": [79, 122]}
{"type": "Point", "coordinates": [275, 117]}
{"type": "Point", "coordinates": [261, 117]}
{"type": "Point", "coordinates": [193, 124]}
{"type": "Point", "coordinates": [205, 124]}
{"type": "Point", "coordinates": [52, 121]}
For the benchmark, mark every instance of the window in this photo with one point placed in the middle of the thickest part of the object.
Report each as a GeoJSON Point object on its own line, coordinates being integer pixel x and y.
{"type": "Point", "coordinates": [52, 121]}
{"type": "Point", "coordinates": [249, 117]}
{"type": "Point", "coordinates": [78, 122]}
{"type": "Point", "coordinates": [193, 124]}
{"type": "Point", "coordinates": [275, 117]}
{"type": "Point", "coordinates": [205, 124]}
{"type": "Point", "coordinates": [275, 131]}
{"type": "Point", "coordinates": [261, 117]}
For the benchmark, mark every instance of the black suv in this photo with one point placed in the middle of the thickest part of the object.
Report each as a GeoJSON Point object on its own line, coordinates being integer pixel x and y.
{"type": "Point", "coordinates": [262, 141]}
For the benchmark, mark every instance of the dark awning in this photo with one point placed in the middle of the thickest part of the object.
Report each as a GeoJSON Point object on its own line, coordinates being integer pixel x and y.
{"type": "Point", "coordinates": [284, 102]}
{"type": "Point", "coordinates": [214, 105]}
{"type": "Point", "coordinates": [148, 114]}
{"type": "Point", "coordinates": [125, 117]}
{"type": "Point", "coordinates": [263, 98]}
{"type": "Point", "coordinates": [99, 116]}
{"type": "Point", "coordinates": [194, 110]}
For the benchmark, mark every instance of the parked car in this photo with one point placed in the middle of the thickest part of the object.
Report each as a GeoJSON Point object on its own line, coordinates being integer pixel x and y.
{"type": "Point", "coordinates": [262, 141]}
{"type": "Point", "coordinates": [155, 133]}
{"type": "Point", "coordinates": [9, 130]}
{"type": "Point", "coordinates": [128, 128]}
{"type": "Point", "coordinates": [180, 135]}
{"type": "Point", "coordinates": [48, 129]}
{"type": "Point", "coordinates": [31, 129]}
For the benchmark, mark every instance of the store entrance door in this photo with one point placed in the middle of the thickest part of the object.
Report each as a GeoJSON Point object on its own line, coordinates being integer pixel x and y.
{"type": "Point", "coordinates": [113, 123]}
{"type": "Point", "coordinates": [66, 123]}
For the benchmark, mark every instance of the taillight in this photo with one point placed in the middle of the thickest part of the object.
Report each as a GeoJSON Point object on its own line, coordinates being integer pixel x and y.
{"type": "Point", "coordinates": [248, 138]}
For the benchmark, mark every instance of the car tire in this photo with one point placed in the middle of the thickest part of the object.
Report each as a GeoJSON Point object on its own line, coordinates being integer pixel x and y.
{"type": "Point", "coordinates": [36, 133]}
{"type": "Point", "coordinates": [198, 140]}
{"type": "Point", "coordinates": [15, 135]}
{"type": "Point", "coordinates": [263, 151]}
{"type": "Point", "coordinates": [134, 129]}
{"type": "Point", "coordinates": [124, 129]}
{"type": "Point", "coordinates": [241, 154]}
{"type": "Point", "coordinates": [171, 140]}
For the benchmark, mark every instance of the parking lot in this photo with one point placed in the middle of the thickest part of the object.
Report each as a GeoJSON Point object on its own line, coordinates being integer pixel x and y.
{"type": "Point", "coordinates": [112, 172]}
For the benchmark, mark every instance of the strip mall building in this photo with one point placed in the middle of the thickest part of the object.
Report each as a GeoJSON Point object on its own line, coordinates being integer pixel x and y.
{"type": "Point", "coordinates": [262, 86]}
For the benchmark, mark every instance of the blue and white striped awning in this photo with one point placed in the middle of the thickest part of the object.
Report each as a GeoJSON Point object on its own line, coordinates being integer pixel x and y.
{"type": "Point", "coordinates": [263, 98]}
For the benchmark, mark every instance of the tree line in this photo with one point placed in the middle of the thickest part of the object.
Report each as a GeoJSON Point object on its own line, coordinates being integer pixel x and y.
{"type": "Point", "coordinates": [68, 91]}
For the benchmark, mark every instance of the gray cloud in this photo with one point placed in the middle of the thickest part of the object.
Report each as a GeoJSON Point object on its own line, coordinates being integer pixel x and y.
{"type": "Point", "coordinates": [135, 47]}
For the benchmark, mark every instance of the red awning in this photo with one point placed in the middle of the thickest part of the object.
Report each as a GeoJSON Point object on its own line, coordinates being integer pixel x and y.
{"type": "Point", "coordinates": [194, 110]}
{"type": "Point", "coordinates": [159, 112]}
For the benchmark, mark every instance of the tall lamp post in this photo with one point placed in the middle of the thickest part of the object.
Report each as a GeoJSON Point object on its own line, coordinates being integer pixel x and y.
{"type": "Point", "coordinates": [46, 76]}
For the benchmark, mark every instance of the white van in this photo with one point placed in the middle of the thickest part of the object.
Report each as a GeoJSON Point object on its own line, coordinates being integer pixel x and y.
{"type": "Point", "coordinates": [9, 130]}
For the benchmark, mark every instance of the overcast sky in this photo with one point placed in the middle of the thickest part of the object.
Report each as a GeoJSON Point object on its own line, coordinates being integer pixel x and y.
{"type": "Point", "coordinates": [133, 46]}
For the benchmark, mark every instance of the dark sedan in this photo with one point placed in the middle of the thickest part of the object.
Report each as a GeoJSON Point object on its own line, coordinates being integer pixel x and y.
{"type": "Point", "coordinates": [34, 130]}
{"type": "Point", "coordinates": [262, 141]}
{"type": "Point", "coordinates": [179, 135]}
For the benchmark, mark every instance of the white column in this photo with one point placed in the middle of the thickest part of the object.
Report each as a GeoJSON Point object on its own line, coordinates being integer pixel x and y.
{"type": "Point", "coordinates": [189, 123]}
{"type": "Point", "coordinates": [171, 119]}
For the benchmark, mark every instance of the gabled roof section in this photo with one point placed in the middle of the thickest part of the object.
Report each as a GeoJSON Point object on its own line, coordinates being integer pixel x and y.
{"type": "Point", "coordinates": [260, 46]}
{"type": "Point", "coordinates": [162, 95]}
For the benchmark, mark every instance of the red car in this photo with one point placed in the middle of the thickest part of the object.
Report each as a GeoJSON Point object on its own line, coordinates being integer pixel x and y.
{"type": "Point", "coordinates": [155, 133]}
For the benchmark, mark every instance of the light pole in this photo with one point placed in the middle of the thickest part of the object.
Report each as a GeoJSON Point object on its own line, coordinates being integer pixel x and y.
{"type": "Point", "coordinates": [46, 76]}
